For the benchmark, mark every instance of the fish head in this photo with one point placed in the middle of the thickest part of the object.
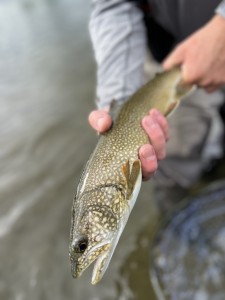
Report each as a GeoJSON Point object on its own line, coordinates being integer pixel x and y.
{"type": "Point", "coordinates": [95, 228]}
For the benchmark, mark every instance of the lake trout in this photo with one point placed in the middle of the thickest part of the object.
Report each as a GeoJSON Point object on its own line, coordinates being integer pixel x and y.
{"type": "Point", "coordinates": [112, 178]}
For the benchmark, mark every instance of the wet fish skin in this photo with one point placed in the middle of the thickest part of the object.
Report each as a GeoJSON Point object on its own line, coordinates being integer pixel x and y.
{"type": "Point", "coordinates": [111, 180]}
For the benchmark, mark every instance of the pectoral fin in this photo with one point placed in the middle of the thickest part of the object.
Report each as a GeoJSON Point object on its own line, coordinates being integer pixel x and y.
{"type": "Point", "coordinates": [126, 171]}
{"type": "Point", "coordinates": [131, 175]}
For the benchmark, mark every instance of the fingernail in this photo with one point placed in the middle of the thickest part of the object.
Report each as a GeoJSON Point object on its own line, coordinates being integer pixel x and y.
{"type": "Point", "coordinates": [100, 123]}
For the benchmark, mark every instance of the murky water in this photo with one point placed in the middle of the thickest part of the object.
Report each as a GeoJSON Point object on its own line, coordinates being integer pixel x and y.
{"type": "Point", "coordinates": [46, 92]}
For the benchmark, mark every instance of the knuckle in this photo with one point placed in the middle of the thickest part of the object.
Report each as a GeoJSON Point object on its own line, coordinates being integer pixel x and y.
{"type": "Point", "coordinates": [160, 118]}
{"type": "Point", "coordinates": [157, 136]}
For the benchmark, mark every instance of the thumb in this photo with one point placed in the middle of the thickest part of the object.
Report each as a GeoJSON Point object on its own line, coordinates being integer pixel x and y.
{"type": "Point", "coordinates": [100, 120]}
{"type": "Point", "coordinates": [175, 58]}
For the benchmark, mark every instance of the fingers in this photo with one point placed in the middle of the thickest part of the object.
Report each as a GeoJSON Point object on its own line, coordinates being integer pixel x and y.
{"type": "Point", "coordinates": [100, 120]}
{"type": "Point", "coordinates": [191, 74]}
{"type": "Point", "coordinates": [181, 57]}
{"type": "Point", "coordinates": [148, 161]}
{"type": "Point", "coordinates": [175, 58]}
{"type": "Point", "coordinates": [157, 129]}
{"type": "Point", "coordinates": [155, 125]}
{"type": "Point", "coordinates": [162, 121]}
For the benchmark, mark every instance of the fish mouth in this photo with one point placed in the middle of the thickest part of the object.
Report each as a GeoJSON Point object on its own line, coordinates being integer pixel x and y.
{"type": "Point", "coordinates": [74, 272]}
{"type": "Point", "coordinates": [97, 255]}
{"type": "Point", "coordinates": [101, 263]}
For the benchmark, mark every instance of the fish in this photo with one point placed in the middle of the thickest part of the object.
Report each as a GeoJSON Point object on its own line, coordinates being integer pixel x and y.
{"type": "Point", "coordinates": [112, 177]}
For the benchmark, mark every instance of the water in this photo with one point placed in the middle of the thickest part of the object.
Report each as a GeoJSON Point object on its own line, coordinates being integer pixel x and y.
{"type": "Point", "coordinates": [47, 87]}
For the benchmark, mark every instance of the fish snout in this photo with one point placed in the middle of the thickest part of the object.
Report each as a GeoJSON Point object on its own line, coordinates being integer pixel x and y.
{"type": "Point", "coordinates": [77, 248]}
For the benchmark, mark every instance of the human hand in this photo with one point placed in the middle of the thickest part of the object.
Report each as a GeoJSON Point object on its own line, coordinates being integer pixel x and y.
{"type": "Point", "coordinates": [202, 56]}
{"type": "Point", "coordinates": [156, 127]}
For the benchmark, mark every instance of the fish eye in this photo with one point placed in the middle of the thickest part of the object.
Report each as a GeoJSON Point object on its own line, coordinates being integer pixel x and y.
{"type": "Point", "coordinates": [82, 245]}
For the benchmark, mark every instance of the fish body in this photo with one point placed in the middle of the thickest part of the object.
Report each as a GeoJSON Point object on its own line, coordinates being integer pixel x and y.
{"type": "Point", "coordinates": [111, 180]}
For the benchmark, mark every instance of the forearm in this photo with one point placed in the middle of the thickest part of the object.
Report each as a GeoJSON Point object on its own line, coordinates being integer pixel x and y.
{"type": "Point", "coordinates": [119, 42]}
{"type": "Point", "coordinates": [221, 9]}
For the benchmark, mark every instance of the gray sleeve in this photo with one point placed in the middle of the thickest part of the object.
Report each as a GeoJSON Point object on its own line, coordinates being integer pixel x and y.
{"type": "Point", "coordinates": [221, 9]}
{"type": "Point", "coordinates": [119, 42]}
